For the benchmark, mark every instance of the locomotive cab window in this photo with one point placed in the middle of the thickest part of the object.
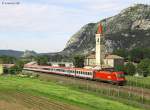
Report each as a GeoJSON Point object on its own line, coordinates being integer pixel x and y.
{"type": "Point", "coordinates": [120, 76]}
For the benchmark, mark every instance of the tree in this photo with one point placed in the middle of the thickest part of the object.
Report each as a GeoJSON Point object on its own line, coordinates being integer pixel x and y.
{"type": "Point", "coordinates": [121, 52]}
{"type": "Point", "coordinates": [17, 68]}
{"type": "Point", "coordinates": [42, 60]}
{"type": "Point", "coordinates": [146, 53]}
{"type": "Point", "coordinates": [7, 59]}
{"type": "Point", "coordinates": [143, 67]}
{"type": "Point", "coordinates": [19, 65]}
{"type": "Point", "coordinates": [136, 55]}
{"type": "Point", "coordinates": [130, 68]}
{"type": "Point", "coordinates": [149, 69]}
{"type": "Point", "coordinates": [78, 61]}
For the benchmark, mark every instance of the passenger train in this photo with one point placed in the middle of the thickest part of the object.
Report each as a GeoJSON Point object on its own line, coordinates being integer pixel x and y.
{"type": "Point", "coordinates": [101, 75]}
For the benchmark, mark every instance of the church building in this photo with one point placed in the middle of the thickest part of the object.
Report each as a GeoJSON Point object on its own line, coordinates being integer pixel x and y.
{"type": "Point", "coordinates": [99, 59]}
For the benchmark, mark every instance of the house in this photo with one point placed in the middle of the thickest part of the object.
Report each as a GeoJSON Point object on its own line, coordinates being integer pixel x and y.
{"type": "Point", "coordinates": [90, 60]}
{"type": "Point", "coordinates": [109, 61]}
{"type": "Point", "coordinates": [1, 69]}
{"type": "Point", "coordinates": [114, 60]}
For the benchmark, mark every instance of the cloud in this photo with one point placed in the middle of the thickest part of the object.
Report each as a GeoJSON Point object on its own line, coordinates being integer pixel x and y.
{"type": "Point", "coordinates": [41, 24]}
{"type": "Point", "coordinates": [26, 17]}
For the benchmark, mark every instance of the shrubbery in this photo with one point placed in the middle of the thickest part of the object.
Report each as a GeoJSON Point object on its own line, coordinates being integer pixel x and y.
{"type": "Point", "coordinates": [130, 69]}
{"type": "Point", "coordinates": [143, 67]}
{"type": "Point", "coordinates": [78, 61]}
{"type": "Point", "coordinates": [15, 69]}
{"type": "Point", "coordinates": [134, 55]}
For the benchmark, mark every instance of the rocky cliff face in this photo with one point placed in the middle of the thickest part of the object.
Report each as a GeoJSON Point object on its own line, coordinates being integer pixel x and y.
{"type": "Point", "coordinates": [127, 30]}
{"type": "Point", "coordinates": [28, 53]}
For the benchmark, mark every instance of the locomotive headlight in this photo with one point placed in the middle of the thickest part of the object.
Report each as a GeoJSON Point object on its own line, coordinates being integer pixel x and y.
{"type": "Point", "coordinates": [109, 77]}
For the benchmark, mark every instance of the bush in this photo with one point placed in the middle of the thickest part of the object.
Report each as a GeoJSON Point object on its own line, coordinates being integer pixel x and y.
{"type": "Point", "coordinates": [15, 69]}
{"type": "Point", "coordinates": [121, 52]}
{"type": "Point", "coordinates": [42, 60]}
{"type": "Point", "coordinates": [143, 67]}
{"type": "Point", "coordinates": [78, 61]}
{"type": "Point", "coordinates": [130, 68]}
{"type": "Point", "coordinates": [136, 55]}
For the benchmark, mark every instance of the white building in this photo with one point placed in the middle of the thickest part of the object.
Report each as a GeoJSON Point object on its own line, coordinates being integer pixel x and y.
{"type": "Point", "coordinates": [99, 59]}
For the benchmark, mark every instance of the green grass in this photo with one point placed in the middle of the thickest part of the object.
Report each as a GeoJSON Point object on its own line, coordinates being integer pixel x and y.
{"type": "Point", "coordinates": [62, 93]}
{"type": "Point", "coordinates": [139, 81]}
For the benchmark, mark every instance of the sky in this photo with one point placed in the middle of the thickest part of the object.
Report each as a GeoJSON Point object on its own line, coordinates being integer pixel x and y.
{"type": "Point", "coordinates": [46, 25]}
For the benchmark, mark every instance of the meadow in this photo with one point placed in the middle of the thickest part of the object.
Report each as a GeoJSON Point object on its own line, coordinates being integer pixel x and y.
{"type": "Point", "coordinates": [37, 94]}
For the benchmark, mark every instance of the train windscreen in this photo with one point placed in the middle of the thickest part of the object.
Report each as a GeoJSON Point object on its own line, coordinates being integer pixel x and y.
{"type": "Point", "coordinates": [120, 75]}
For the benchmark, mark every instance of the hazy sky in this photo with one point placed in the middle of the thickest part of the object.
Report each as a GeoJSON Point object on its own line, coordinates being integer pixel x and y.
{"type": "Point", "coordinates": [46, 25]}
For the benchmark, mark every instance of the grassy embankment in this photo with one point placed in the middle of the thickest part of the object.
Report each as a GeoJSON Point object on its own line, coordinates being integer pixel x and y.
{"type": "Point", "coordinates": [60, 93]}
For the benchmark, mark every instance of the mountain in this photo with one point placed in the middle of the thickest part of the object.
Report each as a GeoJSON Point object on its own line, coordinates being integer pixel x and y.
{"type": "Point", "coordinates": [17, 54]}
{"type": "Point", "coordinates": [28, 53]}
{"type": "Point", "coordinates": [126, 30]}
{"type": "Point", "coordinates": [12, 53]}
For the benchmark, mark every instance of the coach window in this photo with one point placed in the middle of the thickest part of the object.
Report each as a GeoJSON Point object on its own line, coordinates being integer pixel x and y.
{"type": "Point", "coordinates": [82, 72]}
{"type": "Point", "coordinates": [87, 73]}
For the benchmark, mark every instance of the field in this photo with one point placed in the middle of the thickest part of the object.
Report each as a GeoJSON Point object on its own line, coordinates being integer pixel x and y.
{"type": "Point", "coordinates": [139, 81]}
{"type": "Point", "coordinates": [33, 94]}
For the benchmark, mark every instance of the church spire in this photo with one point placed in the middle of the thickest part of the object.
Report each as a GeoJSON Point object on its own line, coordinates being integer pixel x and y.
{"type": "Point", "coordinates": [100, 29]}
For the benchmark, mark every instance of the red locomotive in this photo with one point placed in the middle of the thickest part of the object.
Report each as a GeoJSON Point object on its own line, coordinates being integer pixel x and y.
{"type": "Point", "coordinates": [112, 77]}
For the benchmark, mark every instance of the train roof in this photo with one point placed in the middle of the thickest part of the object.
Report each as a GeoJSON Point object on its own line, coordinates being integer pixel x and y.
{"type": "Point", "coordinates": [67, 68]}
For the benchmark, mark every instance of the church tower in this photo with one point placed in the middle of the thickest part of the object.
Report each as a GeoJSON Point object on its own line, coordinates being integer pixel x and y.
{"type": "Point", "coordinates": [99, 46]}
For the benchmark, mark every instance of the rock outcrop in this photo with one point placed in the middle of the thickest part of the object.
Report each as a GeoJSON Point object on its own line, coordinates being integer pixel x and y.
{"type": "Point", "coordinates": [127, 30]}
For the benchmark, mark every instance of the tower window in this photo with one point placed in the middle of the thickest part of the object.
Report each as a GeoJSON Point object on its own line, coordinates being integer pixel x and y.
{"type": "Point", "coordinates": [98, 40]}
